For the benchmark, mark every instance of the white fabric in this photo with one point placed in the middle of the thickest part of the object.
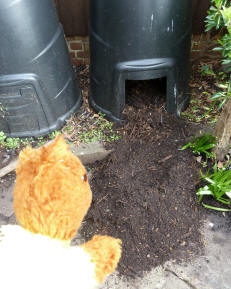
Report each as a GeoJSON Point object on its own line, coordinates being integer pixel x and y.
{"type": "Point", "coordinates": [29, 261]}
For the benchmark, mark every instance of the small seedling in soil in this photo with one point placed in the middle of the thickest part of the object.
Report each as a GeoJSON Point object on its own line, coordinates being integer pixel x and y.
{"type": "Point", "coordinates": [53, 134]}
{"type": "Point", "coordinates": [202, 146]}
{"type": "Point", "coordinates": [218, 186]}
{"type": "Point", "coordinates": [9, 142]}
{"type": "Point", "coordinates": [41, 141]}
{"type": "Point", "coordinates": [2, 137]}
{"type": "Point", "coordinates": [102, 131]}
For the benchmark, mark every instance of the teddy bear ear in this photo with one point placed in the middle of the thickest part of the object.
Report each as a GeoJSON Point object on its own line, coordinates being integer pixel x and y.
{"type": "Point", "coordinates": [56, 150]}
{"type": "Point", "coordinates": [105, 253]}
{"type": "Point", "coordinates": [31, 158]}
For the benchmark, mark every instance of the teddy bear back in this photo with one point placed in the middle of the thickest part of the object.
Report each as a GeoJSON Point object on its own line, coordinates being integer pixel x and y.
{"type": "Point", "coordinates": [52, 193]}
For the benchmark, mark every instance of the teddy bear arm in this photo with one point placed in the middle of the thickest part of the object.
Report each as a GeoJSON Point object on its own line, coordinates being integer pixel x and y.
{"type": "Point", "coordinates": [105, 253]}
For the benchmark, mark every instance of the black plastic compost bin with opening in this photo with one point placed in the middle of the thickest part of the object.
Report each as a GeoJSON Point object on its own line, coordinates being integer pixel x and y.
{"type": "Point", "coordinates": [138, 40]}
{"type": "Point", "coordinates": [38, 90]}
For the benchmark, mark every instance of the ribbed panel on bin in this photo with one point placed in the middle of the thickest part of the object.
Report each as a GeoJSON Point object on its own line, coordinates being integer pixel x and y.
{"type": "Point", "coordinates": [38, 89]}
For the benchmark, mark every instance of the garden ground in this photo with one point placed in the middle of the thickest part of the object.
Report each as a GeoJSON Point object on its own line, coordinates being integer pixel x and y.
{"type": "Point", "coordinates": [144, 193]}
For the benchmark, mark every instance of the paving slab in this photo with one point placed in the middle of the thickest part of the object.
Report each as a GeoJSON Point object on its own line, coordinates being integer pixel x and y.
{"type": "Point", "coordinates": [6, 200]}
{"type": "Point", "coordinates": [210, 270]}
{"type": "Point", "coordinates": [90, 152]}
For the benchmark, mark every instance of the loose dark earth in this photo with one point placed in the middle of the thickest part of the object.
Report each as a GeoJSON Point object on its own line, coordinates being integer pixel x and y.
{"type": "Point", "coordinates": [144, 193]}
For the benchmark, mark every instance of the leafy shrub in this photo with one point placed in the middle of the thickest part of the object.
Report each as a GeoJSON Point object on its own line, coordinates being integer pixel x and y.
{"type": "Point", "coordinates": [218, 186]}
{"type": "Point", "coordinates": [219, 18]}
{"type": "Point", "coordinates": [202, 145]}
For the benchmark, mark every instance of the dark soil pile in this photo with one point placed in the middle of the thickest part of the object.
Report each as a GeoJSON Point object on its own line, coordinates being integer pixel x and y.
{"type": "Point", "coordinates": [144, 193]}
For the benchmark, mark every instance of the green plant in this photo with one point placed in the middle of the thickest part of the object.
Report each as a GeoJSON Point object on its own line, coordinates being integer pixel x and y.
{"type": "Point", "coordinates": [41, 141]}
{"type": "Point", "coordinates": [223, 95]}
{"type": "Point", "coordinates": [207, 70]}
{"type": "Point", "coordinates": [12, 143]}
{"type": "Point", "coordinates": [222, 75]}
{"type": "Point", "coordinates": [27, 141]}
{"type": "Point", "coordinates": [102, 131]}
{"type": "Point", "coordinates": [218, 186]}
{"type": "Point", "coordinates": [219, 17]}
{"type": "Point", "coordinates": [53, 134]}
{"type": "Point", "coordinates": [67, 128]}
{"type": "Point", "coordinates": [2, 137]}
{"type": "Point", "coordinates": [225, 48]}
{"type": "Point", "coordinates": [202, 145]}
{"type": "Point", "coordinates": [9, 142]}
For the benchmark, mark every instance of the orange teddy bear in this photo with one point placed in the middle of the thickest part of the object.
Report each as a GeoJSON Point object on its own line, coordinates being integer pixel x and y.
{"type": "Point", "coordinates": [51, 197]}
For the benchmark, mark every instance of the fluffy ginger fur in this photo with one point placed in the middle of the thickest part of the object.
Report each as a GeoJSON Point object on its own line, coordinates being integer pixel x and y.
{"type": "Point", "coordinates": [52, 194]}
{"type": "Point", "coordinates": [51, 197]}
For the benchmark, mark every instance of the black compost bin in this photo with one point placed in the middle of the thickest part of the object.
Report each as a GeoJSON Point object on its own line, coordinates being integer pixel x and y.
{"type": "Point", "coordinates": [38, 90]}
{"type": "Point", "coordinates": [138, 40]}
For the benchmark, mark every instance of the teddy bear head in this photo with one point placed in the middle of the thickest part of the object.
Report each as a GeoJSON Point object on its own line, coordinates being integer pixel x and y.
{"type": "Point", "coordinates": [52, 194]}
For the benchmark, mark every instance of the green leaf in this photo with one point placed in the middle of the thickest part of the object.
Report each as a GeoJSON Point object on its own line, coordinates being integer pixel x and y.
{"type": "Point", "coordinates": [226, 61]}
{"type": "Point", "coordinates": [228, 194]}
{"type": "Point", "coordinates": [217, 48]}
{"type": "Point", "coordinates": [216, 95]}
{"type": "Point", "coordinates": [204, 191]}
{"type": "Point", "coordinates": [216, 208]}
{"type": "Point", "coordinates": [186, 146]}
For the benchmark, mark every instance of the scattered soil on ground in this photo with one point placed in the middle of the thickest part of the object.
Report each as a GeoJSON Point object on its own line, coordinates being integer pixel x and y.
{"type": "Point", "coordinates": [144, 193]}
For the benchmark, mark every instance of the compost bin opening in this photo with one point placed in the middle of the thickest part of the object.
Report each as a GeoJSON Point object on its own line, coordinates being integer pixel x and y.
{"type": "Point", "coordinates": [149, 40]}
{"type": "Point", "coordinates": [146, 92]}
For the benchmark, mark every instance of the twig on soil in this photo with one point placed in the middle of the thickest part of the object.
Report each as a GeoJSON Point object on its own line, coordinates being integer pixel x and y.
{"type": "Point", "coordinates": [131, 134]}
{"type": "Point", "coordinates": [103, 198]}
{"type": "Point", "coordinates": [165, 159]}
{"type": "Point", "coordinates": [152, 168]}
{"type": "Point", "coordinates": [182, 130]}
{"type": "Point", "coordinates": [9, 168]}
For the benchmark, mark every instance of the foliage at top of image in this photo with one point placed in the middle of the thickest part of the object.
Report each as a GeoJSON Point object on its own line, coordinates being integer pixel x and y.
{"type": "Point", "coordinates": [217, 85]}
{"type": "Point", "coordinates": [219, 15]}
{"type": "Point", "coordinates": [219, 18]}
{"type": "Point", "coordinates": [202, 145]}
{"type": "Point", "coordinates": [218, 186]}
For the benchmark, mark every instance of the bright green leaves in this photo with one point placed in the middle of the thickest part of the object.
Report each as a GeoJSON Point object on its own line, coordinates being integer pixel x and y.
{"type": "Point", "coordinates": [202, 145]}
{"type": "Point", "coordinates": [218, 186]}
